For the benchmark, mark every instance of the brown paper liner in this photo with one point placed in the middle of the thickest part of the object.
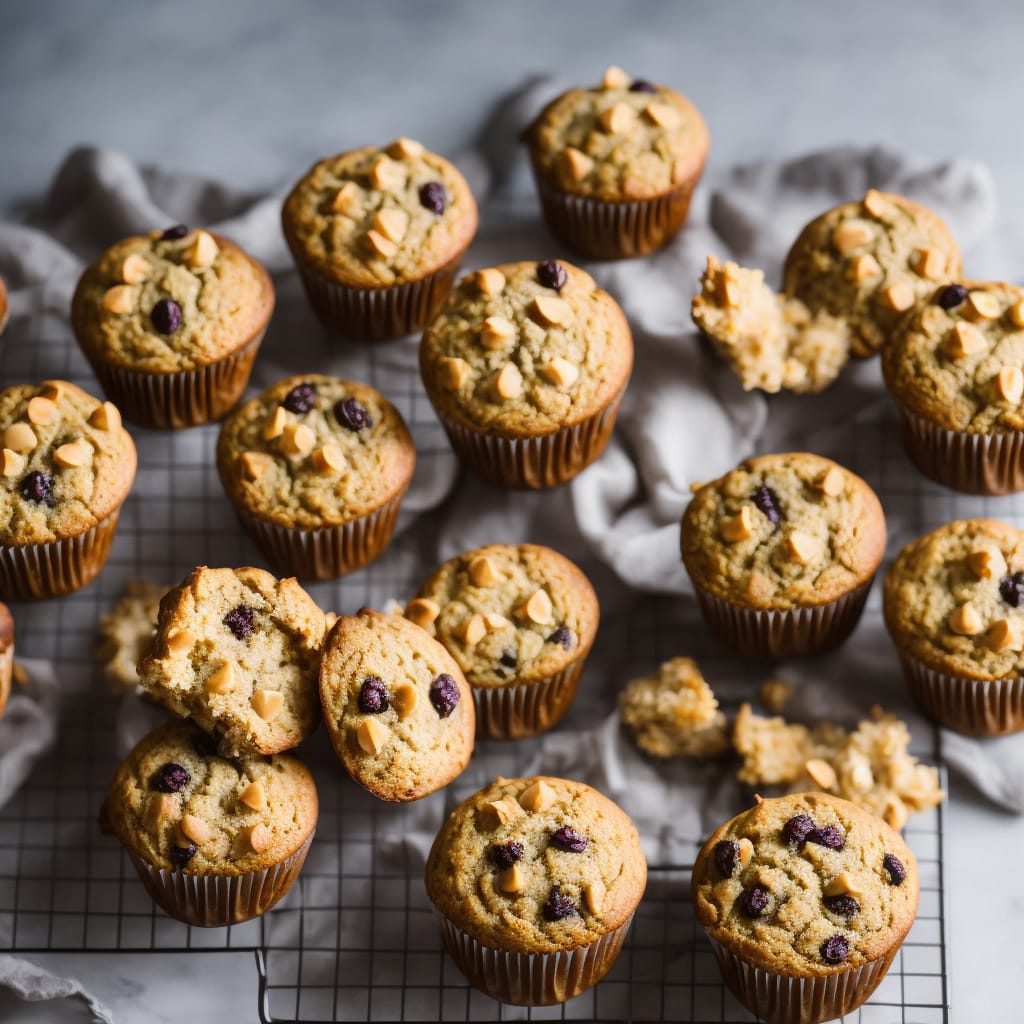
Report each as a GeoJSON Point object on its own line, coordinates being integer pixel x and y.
{"type": "Point", "coordinates": [977, 707]}
{"type": "Point", "coordinates": [774, 633]}
{"type": "Point", "coordinates": [533, 463]}
{"type": "Point", "coordinates": [970, 463]}
{"type": "Point", "coordinates": [215, 901]}
{"type": "Point", "coordinates": [171, 401]}
{"type": "Point", "coordinates": [532, 979]}
{"type": "Point", "coordinates": [605, 230]}
{"type": "Point", "coordinates": [32, 571]}
{"type": "Point", "coordinates": [378, 314]}
{"type": "Point", "coordinates": [330, 551]}
{"type": "Point", "coordinates": [784, 999]}
{"type": "Point", "coordinates": [524, 709]}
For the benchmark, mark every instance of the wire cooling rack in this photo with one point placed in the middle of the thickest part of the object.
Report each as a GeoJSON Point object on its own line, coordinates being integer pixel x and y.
{"type": "Point", "coordinates": [355, 939]}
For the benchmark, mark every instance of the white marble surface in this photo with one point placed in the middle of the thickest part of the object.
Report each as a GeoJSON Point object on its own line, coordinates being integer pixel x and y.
{"type": "Point", "coordinates": [254, 92]}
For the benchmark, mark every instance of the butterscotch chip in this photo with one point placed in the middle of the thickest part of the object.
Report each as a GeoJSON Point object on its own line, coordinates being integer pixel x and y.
{"type": "Point", "coordinates": [405, 149]}
{"type": "Point", "coordinates": [455, 373]}
{"type": "Point", "coordinates": [499, 812]}
{"type": "Point", "coordinates": [106, 417]}
{"type": "Point", "coordinates": [876, 204]}
{"type": "Point", "coordinates": [832, 482]}
{"type": "Point", "coordinates": [20, 437]}
{"type": "Point", "coordinates": [161, 807]}
{"type": "Point", "coordinates": [987, 563]}
{"type": "Point", "coordinates": [346, 199]}
{"type": "Point", "coordinates": [380, 244]}
{"type": "Point", "coordinates": [1017, 313]}
{"type": "Point", "coordinates": [662, 115]}
{"type": "Point", "coordinates": [329, 459]}
{"type": "Point", "coordinates": [964, 340]}
{"type": "Point", "coordinates": [851, 235]}
{"type": "Point", "coordinates": [899, 296]}
{"type": "Point", "coordinates": [929, 263]}
{"type": "Point", "coordinates": [392, 223]}
{"type": "Point", "coordinates": [422, 611]}
{"type": "Point", "coordinates": [254, 464]}
{"type": "Point", "coordinates": [120, 299]}
{"type": "Point", "coordinates": [404, 700]}
{"type": "Point", "coordinates": [844, 884]}
{"type": "Point", "coordinates": [615, 78]}
{"type": "Point", "coordinates": [802, 547]}
{"type": "Point", "coordinates": [983, 305]}
{"type": "Point", "coordinates": [256, 838]}
{"type": "Point", "coordinates": [863, 268]}
{"type": "Point", "coordinates": [297, 439]}
{"type": "Point", "coordinates": [509, 382]}
{"type": "Point", "coordinates": [474, 629]}
{"type": "Point", "coordinates": [135, 269]}
{"type": "Point", "coordinates": [203, 251]}
{"type": "Point", "coordinates": [537, 608]}
{"type": "Point", "coordinates": [1010, 384]}
{"type": "Point", "coordinates": [497, 332]}
{"type": "Point", "coordinates": [481, 572]}
{"type": "Point", "coordinates": [387, 174]}
{"type": "Point", "coordinates": [180, 641]}
{"type": "Point", "coordinates": [195, 829]}
{"type": "Point", "coordinates": [617, 118]}
{"type": "Point", "coordinates": [537, 796]}
{"type": "Point", "coordinates": [222, 680]}
{"type": "Point", "coordinates": [490, 281]}
{"type": "Point", "coordinates": [11, 463]}
{"type": "Point", "coordinates": [372, 736]}
{"type": "Point", "coordinates": [492, 620]}
{"type": "Point", "coordinates": [965, 620]}
{"type": "Point", "coordinates": [1006, 635]}
{"type": "Point", "coordinates": [575, 163]}
{"type": "Point", "coordinates": [512, 879]}
{"type": "Point", "coordinates": [268, 704]}
{"type": "Point", "coordinates": [560, 372]}
{"type": "Point", "coordinates": [738, 527]}
{"type": "Point", "coordinates": [254, 796]}
{"type": "Point", "coordinates": [550, 311]}
{"type": "Point", "coordinates": [821, 772]}
{"type": "Point", "coordinates": [73, 454]}
{"type": "Point", "coordinates": [276, 424]}
{"type": "Point", "coordinates": [41, 411]}
{"type": "Point", "coordinates": [594, 895]}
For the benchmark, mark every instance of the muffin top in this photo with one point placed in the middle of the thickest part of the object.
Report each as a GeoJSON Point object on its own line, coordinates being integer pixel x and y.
{"type": "Point", "coordinates": [525, 349]}
{"type": "Point", "coordinates": [375, 217]}
{"type": "Point", "coordinates": [536, 865]}
{"type": "Point", "coordinates": [953, 599]}
{"type": "Point", "coordinates": [315, 451]}
{"type": "Point", "coordinates": [178, 805]}
{"type": "Point", "coordinates": [397, 706]}
{"type": "Point", "coordinates": [782, 531]}
{"type": "Point", "coordinates": [956, 359]}
{"type": "Point", "coordinates": [67, 462]}
{"type": "Point", "coordinates": [806, 885]}
{"type": "Point", "coordinates": [509, 614]}
{"type": "Point", "coordinates": [170, 301]}
{"type": "Point", "coordinates": [238, 651]}
{"type": "Point", "coordinates": [868, 262]}
{"type": "Point", "coordinates": [625, 139]}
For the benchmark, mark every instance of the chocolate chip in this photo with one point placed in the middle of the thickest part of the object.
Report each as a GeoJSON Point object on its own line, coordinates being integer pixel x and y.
{"type": "Point", "coordinates": [831, 837]}
{"type": "Point", "coordinates": [373, 696]}
{"type": "Point", "coordinates": [567, 838]}
{"type": "Point", "coordinates": [754, 901]}
{"type": "Point", "coordinates": [1011, 589]}
{"type": "Point", "coordinates": [301, 398]}
{"type": "Point", "coordinates": [558, 906]}
{"type": "Point", "coordinates": [796, 830]}
{"type": "Point", "coordinates": [894, 866]}
{"type": "Point", "coordinates": [240, 621]}
{"type": "Point", "coordinates": [952, 295]}
{"type": "Point", "coordinates": [564, 637]}
{"type": "Point", "coordinates": [642, 85]}
{"type": "Point", "coordinates": [835, 949]}
{"type": "Point", "coordinates": [444, 695]}
{"type": "Point", "coordinates": [504, 855]}
{"type": "Point", "coordinates": [727, 853]}
{"type": "Point", "coordinates": [768, 502]}
{"type": "Point", "coordinates": [433, 196]}
{"type": "Point", "coordinates": [37, 487]}
{"type": "Point", "coordinates": [181, 855]}
{"type": "Point", "coordinates": [508, 659]}
{"type": "Point", "coordinates": [166, 316]}
{"type": "Point", "coordinates": [352, 414]}
{"type": "Point", "coordinates": [171, 778]}
{"type": "Point", "coordinates": [843, 905]}
{"type": "Point", "coordinates": [174, 233]}
{"type": "Point", "coordinates": [552, 274]}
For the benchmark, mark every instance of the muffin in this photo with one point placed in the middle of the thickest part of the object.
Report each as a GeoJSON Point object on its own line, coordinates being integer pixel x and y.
{"type": "Point", "coordinates": [215, 841]}
{"type": "Point", "coordinates": [806, 900]}
{"type": "Point", "coordinates": [68, 465]}
{"type": "Point", "coordinates": [6, 655]}
{"type": "Point", "coordinates": [954, 372]}
{"type": "Point", "coordinates": [782, 551]}
{"type": "Point", "coordinates": [397, 707]}
{"type": "Point", "coordinates": [316, 468]}
{"type": "Point", "coordinates": [238, 651]}
{"type": "Point", "coordinates": [535, 882]}
{"type": "Point", "coordinates": [520, 622]}
{"type": "Point", "coordinates": [377, 235]}
{"type": "Point", "coordinates": [526, 364]}
{"type": "Point", "coordinates": [171, 323]}
{"type": "Point", "coordinates": [952, 605]}
{"type": "Point", "coordinates": [616, 165]}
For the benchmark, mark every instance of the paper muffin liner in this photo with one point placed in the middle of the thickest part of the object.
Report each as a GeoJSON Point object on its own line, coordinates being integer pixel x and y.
{"type": "Point", "coordinates": [171, 401]}
{"type": "Point", "coordinates": [32, 571]}
{"type": "Point", "coordinates": [533, 463]}
{"type": "Point", "coordinates": [215, 901]}
{"type": "Point", "coordinates": [329, 551]}
{"type": "Point", "coordinates": [524, 709]}
{"type": "Point", "coordinates": [970, 463]}
{"type": "Point", "coordinates": [532, 979]}
{"type": "Point", "coordinates": [605, 230]}
{"type": "Point", "coordinates": [775, 633]}
{"type": "Point", "coordinates": [785, 999]}
{"type": "Point", "coordinates": [378, 314]}
{"type": "Point", "coordinates": [977, 707]}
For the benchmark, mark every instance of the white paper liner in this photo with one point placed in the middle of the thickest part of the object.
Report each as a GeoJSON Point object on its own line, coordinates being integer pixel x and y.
{"type": "Point", "coordinates": [532, 979]}
{"type": "Point", "coordinates": [970, 463]}
{"type": "Point", "coordinates": [977, 707]}
{"type": "Point", "coordinates": [214, 901]}
{"type": "Point", "coordinates": [32, 571]}
{"type": "Point", "coordinates": [775, 633]}
{"type": "Point", "coordinates": [524, 709]}
{"type": "Point", "coordinates": [783, 999]}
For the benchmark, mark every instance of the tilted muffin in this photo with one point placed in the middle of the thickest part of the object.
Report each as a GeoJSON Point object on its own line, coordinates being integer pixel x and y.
{"type": "Point", "coordinates": [238, 651]}
{"type": "Point", "coordinates": [67, 467]}
{"type": "Point", "coordinates": [616, 165]}
{"type": "Point", "coordinates": [952, 604]}
{"type": "Point", "coordinates": [377, 235]}
{"type": "Point", "coordinates": [954, 371]}
{"type": "Point", "coordinates": [782, 551]}
{"type": "Point", "coordinates": [171, 323]}
{"type": "Point", "coordinates": [316, 468]}
{"type": "Point", "coordinates": [526, 364]}
{"type": "Point", "coordinates": [215, 841]}
{"type": "Point", "coordinates": [520, 622]}
{"type": "Point", "coordinates": [397, 707]}
{"type": "Point", "coordinates": [806, 900]}
{"type": "Point", "coordinates": [536, 881]}
{"type": "Point", "coordinates": [6, 655]}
